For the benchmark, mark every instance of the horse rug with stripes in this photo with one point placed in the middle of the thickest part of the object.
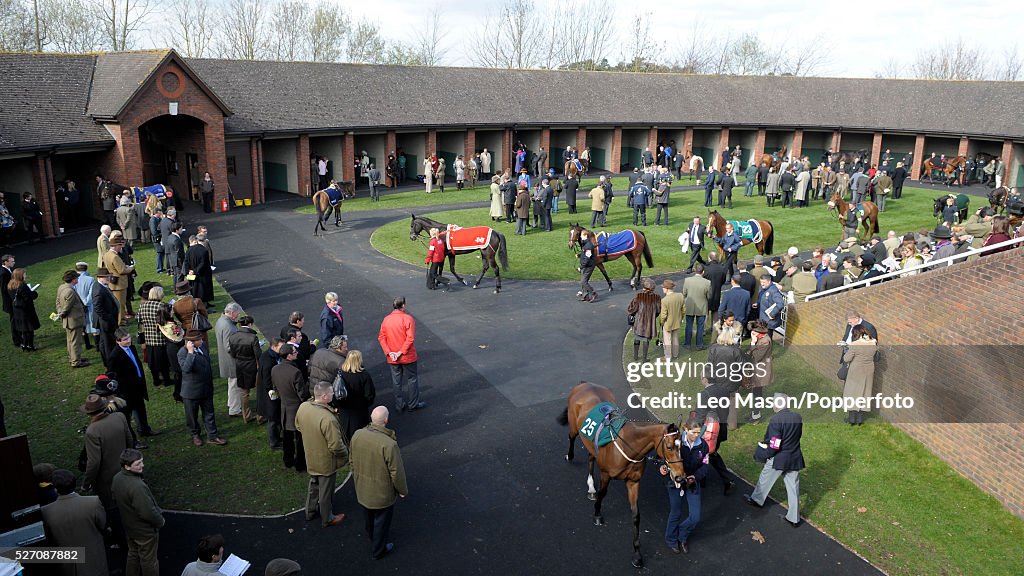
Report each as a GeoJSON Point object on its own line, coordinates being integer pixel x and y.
{"type": "Point", "coordinates": [615, 244]}
{"type": "Point", "coordinates": [747, 229]}
{"type": "Point", "coordinates": [474, 238]}
{"type": "Point", "coordinates": [602, 423]}
{"type": "Point", "coordinates": [158, 190]}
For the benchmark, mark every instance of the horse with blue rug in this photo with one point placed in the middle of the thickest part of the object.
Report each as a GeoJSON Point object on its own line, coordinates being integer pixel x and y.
{"type": "Point", "coordinates": [629, 243]}
{"type": "Point", "coordinates": [619, 447]}
{"type": "Point", "coordinates": [327, 201]}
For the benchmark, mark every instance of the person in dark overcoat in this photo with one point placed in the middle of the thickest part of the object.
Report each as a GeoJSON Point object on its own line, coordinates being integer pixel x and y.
{"type": "Point", "coordinates": [290, 385]}
{"type": "Point", "coordinates": [104, 315]}
{"type": "Point", "coordinates": [126, 362]}
{"type": "Point", "coordinates": [268, 407]}
{"type": "Point", "coordinates": [74, 520]}
{"type": "Point", "coordinates": [354, 409]}
{"type": "Point", "coordinates": [197, 262]}
{"type": "Point", "coordinates": [781, 445]}
{"type": "Point", "coordinates": [24, 319]}
{"type": "Point", "coordinates": [197, 388]}
{"type": "Point", "coordinates": [244, 347]}
{"type": "Point", "coordinates": [106, 436]}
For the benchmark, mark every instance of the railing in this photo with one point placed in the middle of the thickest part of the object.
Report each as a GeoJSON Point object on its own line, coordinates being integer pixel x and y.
{"type": "Point", "coordinates": [949, 261]}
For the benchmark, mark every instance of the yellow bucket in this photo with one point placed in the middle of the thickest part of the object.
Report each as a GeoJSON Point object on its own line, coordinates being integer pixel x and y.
{"type": "Point", "coordinates": [247, 201]}
{"type": "Point", "coordinates": [238, 203]}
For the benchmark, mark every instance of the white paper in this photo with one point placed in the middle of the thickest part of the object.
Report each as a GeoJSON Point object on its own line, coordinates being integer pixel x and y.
{"type": "Point", "coordinates": [234, 566]}
{"type": "Point", "coordinates": [213, 268]}
{"type": "Point", "coordinates": [33, 287]}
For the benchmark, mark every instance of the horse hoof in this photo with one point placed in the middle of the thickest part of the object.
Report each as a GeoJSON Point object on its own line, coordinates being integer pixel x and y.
{"type": "Point", "coordinates": [464, 283]}
{"type": "Point", "coordinates": [610, 288]}
{"type": "Point", "coordinates": [593, 498]}
{"type": "Point", "coordinates": [496, 291]}
{"type": "Point", "coordinates": [568, 458]}
{"type": "Point", "coordinates": [638, 562]}
{"type": "Point", "coordinates": [598, 521]}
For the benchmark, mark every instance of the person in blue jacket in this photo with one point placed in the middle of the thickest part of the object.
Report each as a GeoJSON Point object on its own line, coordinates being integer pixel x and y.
{"type": "Point", "coordinates": [731, 245]}
{"type": "Point", "coordinates": [709, 186]}
{"type": "Point", "coordinates": [693, 451]}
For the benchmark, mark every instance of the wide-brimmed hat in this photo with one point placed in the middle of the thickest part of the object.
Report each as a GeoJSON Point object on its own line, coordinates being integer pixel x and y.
{"type": "Point", "coordinates": [94, 404]}
{"type": "Point", "coordinates": [146, 287]}
{"type": "Point", "coordinates": [666, 283]}
{"type": "Point", "coordinates": [105, 385]}
{"type": "Point", "coordinates": [102, 271]}
{"type": "Point", "coordinates": [941, 232]}
{"type": "Point", "coordinates": [182, 288]}
{"type": "Point", "coordinates": [172, 331]}
{"type": "Point", "coordinates": [194, 335]}
{"type": "Point", "coordinates": [116, 240]}
{"type": "Point", "coordinates": [867, 259]}
{"type": "Point", "coordinates": [758, 326]}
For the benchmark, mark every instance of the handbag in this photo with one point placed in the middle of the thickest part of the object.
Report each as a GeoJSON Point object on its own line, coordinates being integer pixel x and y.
{"type": "Point", "coordinates": [340, 391]}
{"type": "Point", "coordinates": [630, 319]}
{"type": "Point", "coordinates": [199, 322]}
{"type": "Point", "coordinates": [844, 370]}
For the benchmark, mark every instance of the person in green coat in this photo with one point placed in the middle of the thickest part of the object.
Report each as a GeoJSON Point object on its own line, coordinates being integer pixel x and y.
{"type": "Point", "coordinates": [325, 449]}
{"type": "Point", "coordinates": [379, 477]}
{"type": "Point", "coordinates": [696, 295]}
{"type": "Point", "coordinates": [670, 318]}
{"type": "Point", "coordinates": [141, 517]}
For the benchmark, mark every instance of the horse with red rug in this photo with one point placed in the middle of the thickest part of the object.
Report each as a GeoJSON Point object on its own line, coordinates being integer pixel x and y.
{"type": "Point", "coordinates": [488, 241]}
{"type": "Point", "coordinates": [629, 243]}
{"type": "Point", "coordinates": [619, 447]}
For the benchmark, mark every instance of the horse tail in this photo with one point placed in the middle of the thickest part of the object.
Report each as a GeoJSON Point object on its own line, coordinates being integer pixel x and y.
{"type": "Point", "coordinates": [563, 418]}
{"type": "Point", "coordinates": [647, 251]}
{"type": "Point", "coordinates": [874, 225]}
{"type": "Point", "coordinates": [769, 241]}
{"type": "Point", "coordinates": [502, 251]}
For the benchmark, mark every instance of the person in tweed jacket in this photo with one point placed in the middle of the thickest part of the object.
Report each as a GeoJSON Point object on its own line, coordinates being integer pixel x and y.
{"type": "Point", "coordinates": [155, 341]}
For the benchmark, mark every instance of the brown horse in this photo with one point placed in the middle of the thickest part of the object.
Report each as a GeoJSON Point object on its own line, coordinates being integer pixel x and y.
{"type": "Point", "coordinates": [997, 199]}
{"type": "Point", "coordinates": [324, 206]}
{"type": "Point", "coordinates": [640, 250]}
{"type": "Point", "coordinates": [930, 168]}
{"type": "Point", "coordinates": [770, 159]}
{"type": "Point", "coordinates": [716, 230]}
{"type": "Point", "coordinates": [572, 170]}
{"type": "Point", "coordinates": [869, 220]}
{"type": "Point", "coordinates": [495, 247]}
{"type": "Point", "coordinates": [624, 459]}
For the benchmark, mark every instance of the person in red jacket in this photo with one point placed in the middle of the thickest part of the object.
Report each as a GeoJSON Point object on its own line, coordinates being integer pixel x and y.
{"type": "Point", "coordinates": [397, 339]}
{"type": "Point", "coordinates": [435, 258]}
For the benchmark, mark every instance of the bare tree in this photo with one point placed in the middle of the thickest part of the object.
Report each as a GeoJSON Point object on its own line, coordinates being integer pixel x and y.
{"type": "Point", "coordinates": [950, 61]}
{"type": "Point", "coordinates": [289, 28]}
{"type": "Point", "coordinates": [189, 27]}
{"type": "Point", "coordinates": [719, 59]}
{"type": "Point", "coordinates": [1012, 65]}
{"type": "Point", "coordinates": [16, 26]}
{"type": "Point", "coordinates": [893, 69]}
{"type": "Point", "coordinates": [399, 54]}
{"type": "Point", "coordinates": [510, 37]}
{"type": "Point", "coordinates": [429, 41]}
{"type": "Point", "coordinates": [328, 29]}
{"type": "Point", "coordinates": [640, 44]}
{"type": "Point", "coordinates": [365, 44]}
{"type": "Point", "coordinates": [695, 56]}
{"type": "Point", "coordinates": [242, 30]}
{"type": "Point", "coordinates": [749, 57]}
{"type": "Point", "coordinates": [121, 21]}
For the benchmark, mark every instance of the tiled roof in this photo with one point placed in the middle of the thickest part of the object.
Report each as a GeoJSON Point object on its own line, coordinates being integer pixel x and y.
{"type": "Point", "coordinates": [43, 100]}
{"type": "Point", "coordinates": [118, 76]}
{"type": "Point", "coordinates": [294, 96]}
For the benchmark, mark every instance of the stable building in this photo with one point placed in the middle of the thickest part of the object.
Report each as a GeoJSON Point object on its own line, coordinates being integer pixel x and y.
{"type": "Point", "coordinates": [154, 117]}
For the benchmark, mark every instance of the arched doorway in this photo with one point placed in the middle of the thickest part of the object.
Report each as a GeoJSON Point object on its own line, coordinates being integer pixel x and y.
{"type": "Point", "coordinates": [174, 153]}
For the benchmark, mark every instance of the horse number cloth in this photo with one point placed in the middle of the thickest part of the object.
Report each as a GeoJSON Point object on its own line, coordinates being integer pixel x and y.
{"type": "Point", "coordinates": [601, 423]}
{"type": "Point", "coordinates": [475, 238]}
{"type": "Point", "coordinates": [747, 229]}
{"type": "Point", "coordinates": [615, 244]}
{"type": "Point", "coordinates": [158, 190]}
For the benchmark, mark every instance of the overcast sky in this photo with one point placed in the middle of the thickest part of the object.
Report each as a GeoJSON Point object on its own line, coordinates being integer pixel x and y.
{"type": "Point", "coordinates": [861, 36]}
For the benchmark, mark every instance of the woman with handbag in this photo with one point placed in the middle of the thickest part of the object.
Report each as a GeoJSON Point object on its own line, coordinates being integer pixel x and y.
{"type": "Point", "coordinates": [860, 377]}
{"type": "Point", "coordinates": [156, 343]}
{"type": "Point", "coordinates": [644, 310]}
{"type": "Point", "coordinates": [190, 311]}
{"type": "Point", "coordinates": [354, 408]}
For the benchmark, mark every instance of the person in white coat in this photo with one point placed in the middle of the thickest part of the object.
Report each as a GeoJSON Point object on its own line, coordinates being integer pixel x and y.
{"type": "Point", "coordinates": [428, 175]}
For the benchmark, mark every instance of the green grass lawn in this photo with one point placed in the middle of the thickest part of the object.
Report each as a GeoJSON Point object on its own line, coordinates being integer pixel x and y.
{"type": "Point", "coordinates": [874, 488]}
{"type": "Point", "coordinates": [546, 256]}
{"type": "Point", "coordinates": [244, 477]}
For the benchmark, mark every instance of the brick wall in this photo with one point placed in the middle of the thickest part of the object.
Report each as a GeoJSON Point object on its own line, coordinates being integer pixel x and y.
{"type": "Point", "coordinates": [950, 338]}
{"type": "Point", "coordinates": [615, 162]}
{"type": "Point", "coordinates": [798, 144]}
{"type": "Point", "coordinates": [876, 148]}
{"type": "Point", "coordinates": [915, 166]}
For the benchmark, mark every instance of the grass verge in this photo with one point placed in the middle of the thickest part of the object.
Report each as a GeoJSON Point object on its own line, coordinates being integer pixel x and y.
{"type": "Point", "coordinates": [873, 488]}
{"type": "Point", "coordinates": [244, 477]}
{"type": "Point", "coordinates": [546, 256]}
